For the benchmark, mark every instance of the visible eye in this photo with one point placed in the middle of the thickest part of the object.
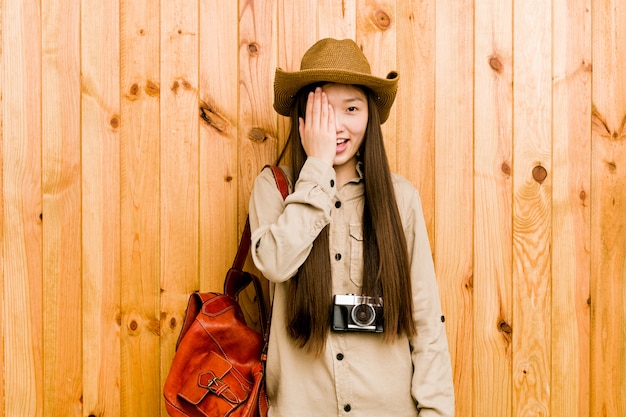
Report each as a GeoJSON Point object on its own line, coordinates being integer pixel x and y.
{"type": "Point", "coordinates": [352, 109]}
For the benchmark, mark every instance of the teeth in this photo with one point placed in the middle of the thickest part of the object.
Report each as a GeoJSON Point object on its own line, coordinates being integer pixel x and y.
{"type": "Point", "coordinates": [340, 141]}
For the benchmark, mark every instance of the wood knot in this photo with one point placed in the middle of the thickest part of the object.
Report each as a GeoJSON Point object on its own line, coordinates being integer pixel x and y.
{"type": "Point", "coordinates": [152, 88]}
{"type": "Point", "coordinates": [382, 19]}
{"type": "Point", "coordinates": [177, 84]}
{"type": "Point", "coordinates": [505, 327]}
{"type": "Point", "coordinates": [540, 174]}
{"type": "Point", "coordinates": [611, 166]}
{"type": "Point", "coordinates": [469, 282]}
{"type": "Point", "coordinates": [506, 169]}
{"type": "Point", "coordinates": [496, 64]}
{"type": "Point", "coordinates": [154, 327]}
{"type": "Point", "coordinates": [115, 122]}
{"type": "Point", "coordinates": [173, 322]}
{"type": "Point", "coordinates": [253, 48]}
{"type": "Point", "coordinates": [133, 92]}
{"type": "Point", "coordinates": [582, 195]}
{"type": "Point", "coordinates": [133, 326]}
{"type": "Point", "coordinates": [211, 116]}
{"type": "Point", "coordinates": [257, 135]}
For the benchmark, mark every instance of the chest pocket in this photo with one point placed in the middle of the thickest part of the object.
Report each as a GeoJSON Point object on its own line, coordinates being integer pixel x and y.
{"type": "Point", "coordinates": [356, 254]}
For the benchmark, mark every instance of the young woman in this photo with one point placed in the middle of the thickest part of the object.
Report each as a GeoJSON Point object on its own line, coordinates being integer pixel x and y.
{"type": "Point", "coordinates": [357, 327]}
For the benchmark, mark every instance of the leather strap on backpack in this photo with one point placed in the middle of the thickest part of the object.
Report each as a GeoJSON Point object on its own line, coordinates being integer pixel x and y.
{"type": "Point", "coordinates": [235, 283]}
{"type": "Point", "coordinates": [244, 242]}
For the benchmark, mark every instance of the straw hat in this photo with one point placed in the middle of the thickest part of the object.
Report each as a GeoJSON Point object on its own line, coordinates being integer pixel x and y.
{"type": "Point", "coordinates": [337, 61]}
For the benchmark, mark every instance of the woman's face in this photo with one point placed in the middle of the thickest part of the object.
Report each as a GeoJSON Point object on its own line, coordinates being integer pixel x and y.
{"type": "Point", "coordinates": [351, 115]}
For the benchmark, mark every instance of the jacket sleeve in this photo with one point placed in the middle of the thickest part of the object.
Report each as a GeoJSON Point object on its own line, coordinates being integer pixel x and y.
{"type": "Point", "coordinates": [283, 231]}
{"type": "Point", "coordinates": [432, 386]}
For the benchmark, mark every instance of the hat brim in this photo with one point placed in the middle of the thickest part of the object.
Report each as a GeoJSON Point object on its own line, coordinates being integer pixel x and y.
{"type": "Point", "coordinates": [287, 84]}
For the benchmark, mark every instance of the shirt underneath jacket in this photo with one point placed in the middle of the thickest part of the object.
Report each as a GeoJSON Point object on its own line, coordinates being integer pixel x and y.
{"type": "Point", "coordinates": [358, 373]}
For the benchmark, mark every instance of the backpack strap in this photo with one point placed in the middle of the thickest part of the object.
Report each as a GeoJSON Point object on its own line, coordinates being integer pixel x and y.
{"type": "Point", "coordinates": [237, 279]}
{"type": "Point", "coordinates": [281, 180]}
{"type": "Point", "coordinates": [244, 242]}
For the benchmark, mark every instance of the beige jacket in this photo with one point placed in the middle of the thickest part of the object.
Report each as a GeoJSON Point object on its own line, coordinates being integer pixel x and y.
{"type": "Point", "coordinates": [358, 374]}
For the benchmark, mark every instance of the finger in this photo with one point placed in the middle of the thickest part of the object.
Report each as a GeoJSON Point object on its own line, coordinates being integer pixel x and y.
{"type": "Point", "coordinates": [317, 106]}
{"type": "Point", "coordinates": [331, 119]}
{"type": "Point", "coordinates": [323, 111]}
{"type": "Point", "coordinates": [301, 127]}
{"type": "Point", "coordinates": [309, 107]}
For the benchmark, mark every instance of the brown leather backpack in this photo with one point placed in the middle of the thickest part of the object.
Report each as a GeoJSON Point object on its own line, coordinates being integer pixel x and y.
{"type": "Point", "coordinates": [219, 365]}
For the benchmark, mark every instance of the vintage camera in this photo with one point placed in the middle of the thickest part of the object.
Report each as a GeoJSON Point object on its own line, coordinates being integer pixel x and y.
{"type": "Point", "coordinates": [357, 313]}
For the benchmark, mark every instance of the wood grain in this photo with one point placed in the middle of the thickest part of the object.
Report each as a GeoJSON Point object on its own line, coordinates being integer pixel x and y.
{"type": "Point", "coordinates": [219, 174]}
{"type": "Point", "coordinates": [608, 216]}
{"type": "Point", "coordinates": [22, 262]}
{"type": "Point", "coordinates": [532, 206]}
{"type": "Point", "coordinates": [298, 27]}
{"type": "Point", "coordinates": [140, 380]}
{"type": "Point", "coordinates": [336, 19]}
{"type": "Point", "coordinates": [61, 191]}
{"type": "Point", "coordinates": [493, 154]}
{"type": "Point", "coordinates": [257, 119]}
{"type": "Point", "coordinates": [297, 30]}
{"type": "Point", "coordinates": [453, 187]}
{"type": "Point", "coordinates": [257, 133]}
{"type": "Point", "coordinates": [179, 148]}
{"type": "Point", "coordinates": [376, 35]}
{"type": "Point", "coordinates": [100, 163]}
{"type": "Point", "coordinates": [570, 208]}
{"type": "Point", "coordinates": [415, 102]}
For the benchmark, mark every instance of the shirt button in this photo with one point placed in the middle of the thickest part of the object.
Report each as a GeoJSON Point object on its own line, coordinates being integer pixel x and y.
{"type": "Point", "coordinates": [347, 408]}
{"type": "Point", "coordinates": [337, 204]}
{"type": "Point", "coordinates": [332, 183]}
{"type": "Point", "coordinates": [340, 356]}
{"type": "Point", "coordinates": [337, 256]}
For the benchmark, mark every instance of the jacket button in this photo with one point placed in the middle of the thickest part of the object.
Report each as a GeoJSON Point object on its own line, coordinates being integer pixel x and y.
{"type": "Point", "coordinates": [340, 356]}
{"type": "Point", "coordinates": [337, 204]}
{"type": "Point", "coordinates": [337, 256]}
{"type": "Point", "coordinates": [347, 408]}
{"type": "Point", "coordinates": [332, 183]}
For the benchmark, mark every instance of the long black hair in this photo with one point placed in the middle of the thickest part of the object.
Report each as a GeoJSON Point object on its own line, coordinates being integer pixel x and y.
{"type": "Point", "coordinates": [385, 258]}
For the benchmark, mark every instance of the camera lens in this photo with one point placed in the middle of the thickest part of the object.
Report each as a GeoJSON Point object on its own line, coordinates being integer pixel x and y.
{"type": "Point", "coordinates": [363, 314]}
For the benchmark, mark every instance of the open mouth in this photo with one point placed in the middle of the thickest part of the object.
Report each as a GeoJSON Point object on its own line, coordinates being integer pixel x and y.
{"type": "Point", "coordinates": [342, 145]}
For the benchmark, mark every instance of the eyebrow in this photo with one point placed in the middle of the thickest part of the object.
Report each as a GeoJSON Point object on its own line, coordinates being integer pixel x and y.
{"type": "Point", "coordinates": [351, 99]}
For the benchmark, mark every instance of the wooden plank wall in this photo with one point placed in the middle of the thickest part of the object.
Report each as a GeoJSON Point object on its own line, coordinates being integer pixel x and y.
{"type": "Point", "coordinates": [132, 131]}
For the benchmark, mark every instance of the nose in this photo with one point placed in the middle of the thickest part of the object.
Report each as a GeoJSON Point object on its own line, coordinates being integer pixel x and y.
{"type": "Point", "coordinates": [339, 126]}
